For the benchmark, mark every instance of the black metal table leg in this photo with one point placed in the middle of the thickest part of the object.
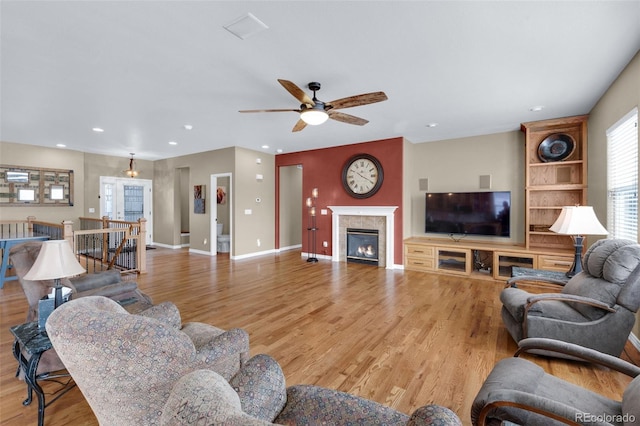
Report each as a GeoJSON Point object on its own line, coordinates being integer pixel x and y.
{"type": "Point", "coordinates": [30, 367]}
{"type": "Point", "coordinates": [32, 383]}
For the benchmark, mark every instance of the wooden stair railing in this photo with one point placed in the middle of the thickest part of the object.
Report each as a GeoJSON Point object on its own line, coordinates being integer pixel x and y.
{"type": "Point", "coordinates": [114, 238]}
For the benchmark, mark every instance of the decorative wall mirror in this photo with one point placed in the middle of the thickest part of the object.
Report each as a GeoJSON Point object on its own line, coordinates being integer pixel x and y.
{"type": "Point", "coordinates": [21, 185]}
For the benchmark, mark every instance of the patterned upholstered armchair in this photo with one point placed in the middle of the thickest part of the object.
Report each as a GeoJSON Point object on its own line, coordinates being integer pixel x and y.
{"type": "Point", "coordinates": [595, 309]}
{"type": "Point", "coordinates": [108, 283]}
{"type": "Point", "coordinates": [153, 374]}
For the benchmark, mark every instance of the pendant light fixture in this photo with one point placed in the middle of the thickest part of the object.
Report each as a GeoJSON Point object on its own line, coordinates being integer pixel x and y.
{"type": "Point", "coordinates": [131, 172]}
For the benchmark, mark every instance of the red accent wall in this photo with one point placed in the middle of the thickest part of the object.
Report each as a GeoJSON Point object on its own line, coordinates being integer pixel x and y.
{"type": "Point", "coordinates": [322, 169]}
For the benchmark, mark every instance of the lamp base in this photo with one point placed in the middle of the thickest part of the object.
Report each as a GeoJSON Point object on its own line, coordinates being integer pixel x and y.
{"type": "Point", "coordinates": [576, 267]}
{"type": "Point", "coordinates": [58, 293]}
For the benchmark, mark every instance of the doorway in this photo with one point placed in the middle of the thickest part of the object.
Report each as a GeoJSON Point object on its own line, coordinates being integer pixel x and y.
{"type": "Point", "coordinates": [290, 207]}
{"type": "Point", "coordinates": [221, 212]}
{"type": "Point", "coordinates": [128, 200]}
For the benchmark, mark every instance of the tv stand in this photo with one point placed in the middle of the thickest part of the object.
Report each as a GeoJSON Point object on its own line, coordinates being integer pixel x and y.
{"type": "Point", "coordinates": [479, 259]}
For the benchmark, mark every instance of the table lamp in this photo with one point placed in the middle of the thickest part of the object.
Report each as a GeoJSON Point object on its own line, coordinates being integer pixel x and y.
{"type": "Point", "coordinates": [577, 221]}
{"type": "Point", "coordinates": [55, 261]}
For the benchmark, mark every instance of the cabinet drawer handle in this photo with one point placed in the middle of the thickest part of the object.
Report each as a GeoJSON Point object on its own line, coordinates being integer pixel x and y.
{"type": "Point", "coordinates": [418, 251]}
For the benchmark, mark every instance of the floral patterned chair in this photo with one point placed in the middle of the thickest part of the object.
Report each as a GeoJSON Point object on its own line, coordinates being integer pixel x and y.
{"type": "Point", "coordinates": [152, 373]}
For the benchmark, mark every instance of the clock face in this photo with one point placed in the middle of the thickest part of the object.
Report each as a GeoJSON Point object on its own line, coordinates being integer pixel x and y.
{"type": "Point", "coordinates": [362, 176]}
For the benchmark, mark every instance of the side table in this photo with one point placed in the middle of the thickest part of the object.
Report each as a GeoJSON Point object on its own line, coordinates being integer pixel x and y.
{"type": "Point", "coordinates": [35, 341]}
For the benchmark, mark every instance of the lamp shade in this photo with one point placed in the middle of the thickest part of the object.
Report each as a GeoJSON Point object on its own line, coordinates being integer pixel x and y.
{"type": "Point", "coordinates": [55, 260]}
{"type": "Point", "coordinates": [314, 116]}
{"type": "Point", "coordinates": [578, 220]}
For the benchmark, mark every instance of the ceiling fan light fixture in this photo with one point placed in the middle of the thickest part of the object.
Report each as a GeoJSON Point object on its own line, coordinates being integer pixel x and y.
{"type": "Point", "coordinates": [314, 117]}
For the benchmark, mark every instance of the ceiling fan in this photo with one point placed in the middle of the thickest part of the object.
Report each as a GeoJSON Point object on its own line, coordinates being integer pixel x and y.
{"type": "Point", "coordinates": [313, 111]}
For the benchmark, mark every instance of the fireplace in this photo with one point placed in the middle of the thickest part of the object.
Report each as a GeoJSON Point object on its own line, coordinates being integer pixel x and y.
{"type": "Point", "coordinates": [386, 228]}
{"type": "Point", "coordinates": [362, 246]}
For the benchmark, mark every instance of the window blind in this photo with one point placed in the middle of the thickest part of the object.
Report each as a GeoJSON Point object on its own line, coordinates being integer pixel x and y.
{"type": "Point", "coordinates": [622, 177]}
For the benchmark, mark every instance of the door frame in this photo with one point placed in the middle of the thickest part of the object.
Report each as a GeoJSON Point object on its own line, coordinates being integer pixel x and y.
{"type": "Point", "coordinates": [148, 186]}
{"type": "Point", "coordinates": [213, 237]}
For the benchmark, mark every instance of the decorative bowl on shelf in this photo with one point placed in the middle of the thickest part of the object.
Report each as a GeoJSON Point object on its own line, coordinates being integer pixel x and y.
{"type": "Point", "coordinates": [556, 147]}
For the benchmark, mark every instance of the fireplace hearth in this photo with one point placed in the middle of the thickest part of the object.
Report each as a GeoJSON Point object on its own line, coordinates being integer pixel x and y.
{"type": "Point", "coordinates": [362, 246]}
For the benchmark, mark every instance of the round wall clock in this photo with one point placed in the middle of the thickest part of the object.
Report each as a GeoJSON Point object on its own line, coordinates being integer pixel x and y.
{"type": "Point", "coordinates": [362, 176]}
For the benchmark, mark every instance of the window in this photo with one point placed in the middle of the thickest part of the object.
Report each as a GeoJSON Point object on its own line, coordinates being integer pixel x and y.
{"type": "Point", "coordinates": [622, 181]}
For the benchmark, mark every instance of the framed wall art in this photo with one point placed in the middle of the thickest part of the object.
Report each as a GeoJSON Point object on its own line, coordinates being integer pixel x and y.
{"type": "Point", "coordinates": [199, 199]}
{"type": "Point", "coordinates": [23, 185]}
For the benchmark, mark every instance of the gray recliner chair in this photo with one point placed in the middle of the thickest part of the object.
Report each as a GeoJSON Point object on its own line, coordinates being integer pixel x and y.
{"type": "Point", "coordinates": [595, 309]}
{"type": "Point", "coordinates": [521, 392]}
{"type": "Point", "coordinates": [106, 283]}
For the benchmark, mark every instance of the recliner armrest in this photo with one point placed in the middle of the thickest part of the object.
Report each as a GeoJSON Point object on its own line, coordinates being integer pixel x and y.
{"type": "Point", "coordinates": [568, 298]}
{"type": "Point", "coordinates": [581, 352]}
{"type": "Point", "coordinates": [110, 290]}
{"type": "Point", "coordinates": [495, 398]}
{"type": "Point", "coordinates": [94, 280]}
{"type": "Point", "coordinates": [511, 282]}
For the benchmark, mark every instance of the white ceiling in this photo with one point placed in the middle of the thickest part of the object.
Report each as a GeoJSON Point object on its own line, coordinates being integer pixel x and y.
{"type": "Point", "coordinates": [143, 69]}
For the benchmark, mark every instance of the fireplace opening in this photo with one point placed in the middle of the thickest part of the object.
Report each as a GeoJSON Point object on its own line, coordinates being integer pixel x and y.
{"type": "Point", "coordinates": [362, 246]}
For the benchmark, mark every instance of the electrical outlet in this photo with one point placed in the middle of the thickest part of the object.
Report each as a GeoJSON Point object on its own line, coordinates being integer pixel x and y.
{"type": "Point", "coordinates": [325, 244]}
{"type": "Point", "coordinates": [258, 242]}
{"type": "Point", "coordinates": [205, 242]}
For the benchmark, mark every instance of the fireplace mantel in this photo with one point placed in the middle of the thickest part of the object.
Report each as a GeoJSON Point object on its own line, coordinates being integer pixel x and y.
{"type": "Point", "coordinates": [386, 211]}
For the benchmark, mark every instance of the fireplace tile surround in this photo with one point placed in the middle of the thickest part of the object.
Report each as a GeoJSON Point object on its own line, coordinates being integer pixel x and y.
{"type": "Point", "coordinates": [380, 218]}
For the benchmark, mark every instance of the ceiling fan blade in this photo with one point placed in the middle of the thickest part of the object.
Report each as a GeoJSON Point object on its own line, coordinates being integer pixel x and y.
{"type": "Point", "coordinates": [357, 100]}
{"type": "Point", "coordinates": [346, 118]}
{"type": "Point", "coordinates": [269, 110]}
{"type": "Point", "coordinates": [299, 126]}
{"type": "Point", "coordinates": [297, 92]}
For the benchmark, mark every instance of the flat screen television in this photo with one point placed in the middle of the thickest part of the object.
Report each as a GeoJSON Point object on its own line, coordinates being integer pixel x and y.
{"type": "Point", "coordinates": [468, 213]}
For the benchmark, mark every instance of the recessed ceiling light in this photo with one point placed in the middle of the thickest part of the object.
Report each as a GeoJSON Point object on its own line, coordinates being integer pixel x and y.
{"type": "Point", "coordinates": [97, 129]}
{"type": "Point", "coordinates": [265, 146]}
{"type": "Point", "coordinates": [536, 108]}
{"type": "Point", "coordinates": [432, 125]}
{"type": "Point", "coordinates": [279, 150]}
{"type": "Point", "coordinates": [188, 126]}
{"type": "Point", "coordinates": [61, 145]}
{"type": "Point", "coordinates": [173, 143]}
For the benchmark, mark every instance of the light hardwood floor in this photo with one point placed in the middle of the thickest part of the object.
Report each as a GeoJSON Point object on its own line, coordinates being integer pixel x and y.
{"type": "Point", "coordinates": [401, 338]}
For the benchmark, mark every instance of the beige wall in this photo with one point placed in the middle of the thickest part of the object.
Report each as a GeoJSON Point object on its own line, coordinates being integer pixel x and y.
{"type": "Point", "coordinates": [96, 165]}
{"type": "Point", "coordinates": [52, 158]}
{"type": "Point", "coordinates": [260, 224]}
{"type": "Point", "coordinates": [457, 164]}
{"type": "Point", "coordinates": [243, 189]}
{"type": "Point", "coordinates": [168, 189]}
{"type": "Point", "coordinates": [618, 100]}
